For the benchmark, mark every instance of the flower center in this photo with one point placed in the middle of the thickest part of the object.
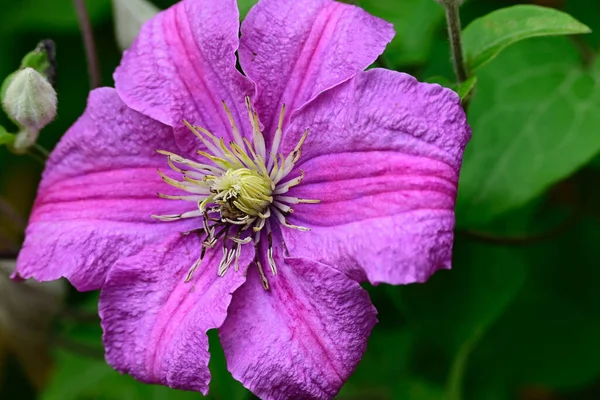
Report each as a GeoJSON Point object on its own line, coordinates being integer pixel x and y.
{"type": "Point", "coordinates": [241, 193]}
{"type": "Point", "coordinates": [240, 186]}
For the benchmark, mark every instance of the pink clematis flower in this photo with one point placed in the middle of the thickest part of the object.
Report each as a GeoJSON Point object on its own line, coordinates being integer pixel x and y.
{"type": "Point", "coordinates": [278, 192]}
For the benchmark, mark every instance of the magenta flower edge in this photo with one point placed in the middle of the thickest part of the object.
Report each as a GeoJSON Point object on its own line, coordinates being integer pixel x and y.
{"type": "Point", "coordinates": [277, 192]}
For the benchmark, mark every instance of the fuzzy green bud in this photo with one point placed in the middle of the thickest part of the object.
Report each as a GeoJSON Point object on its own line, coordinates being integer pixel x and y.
{"type": "Point", "coordinates": [30, 101]}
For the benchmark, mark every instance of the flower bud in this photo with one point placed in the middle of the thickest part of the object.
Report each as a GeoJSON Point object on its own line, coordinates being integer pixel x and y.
{"type": "Point", "coordinates": [30, 101]}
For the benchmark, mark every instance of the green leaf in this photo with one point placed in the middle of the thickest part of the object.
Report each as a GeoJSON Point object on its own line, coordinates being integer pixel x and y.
{"type": "Point", "coordinates": [454, 309]}
{"type": "Point", "coordinates": [595, 163]}
{"type": "Point", "coordinates": [465, 88]}
{"type": "Point", "coordinates": [129, 16]}
{"type": "Point", "coordinates": [41, 15]}
{"type": "Point", "coordinates": [487, 36]}
{"type": "Point", "coordinates": [41, 58]}
{"type": "Point", "coordinates": [245, 6]}
{"type": "Point", "coordinates": [5, 84]}
{"type": "Point", "coordinates": [589, 15]}
{"type": "Point", "coordinates": [78, 376]}
{"type": "Point", "coordinates": [5, 137]}
{"type": "Point", "coordinates": [534, 123]}
{"type": "Point", "coordinates": [455, 305]}
{"type": "Point", "coordinates": [440, 80]}
{"type": "Point", "coordinates": [549, 335]}
{"type": "Point", "coordinates": [384, 371]}
{"type": "Point", "coordinates": [415, 22]}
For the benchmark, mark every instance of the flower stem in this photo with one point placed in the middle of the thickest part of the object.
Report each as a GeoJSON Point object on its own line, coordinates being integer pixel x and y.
{"type": "Point", "coordinates": [459, 366]}
{"type": "Point", "coordinates": [42, 151]}
{"type": "Point", "coordinates": [453, 21]}
{"type": "Point", "coordinates": [525, 240]}
{"type": "Point", "coordinates": [13, 215]}
{"type": "Point", "coordinates": [38, 153]}
{"type": "Point", "coordinates": [586, 53]}
{"type": "Point", "coordinates": [78, 348]}
{"type": "Point", "coordinates": [88, 41]}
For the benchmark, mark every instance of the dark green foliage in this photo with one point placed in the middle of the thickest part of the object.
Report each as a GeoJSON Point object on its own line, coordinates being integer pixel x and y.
{"type": "Point", "coordinates": [518, 317]}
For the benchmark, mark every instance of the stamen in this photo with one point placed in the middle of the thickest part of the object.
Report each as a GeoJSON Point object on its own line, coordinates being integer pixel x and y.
{"type": "Point", "coordinates": [181, 185]}
{"type": "Point", "coordinates": [259, 161]}
{"type": "Point", "coordinates": [173, 166]}
{"type": "Point", "coordinates": [238, 252]}
{"type": "Point", "coordinates": [237, 187]}
{"type": "Point", "coordinates": [283, 188]}
{"type": "Point", "coordinates": [276, 139]}
{"type": "Point", "coordinates": [194, 267]}
{"type": "Point", "coordinates": [266, 214]}
{"type": "Point", "coordinates": [285, 249]}
{"type": "Point", "coordinates": [180, 160]}
{"type": "Point", "coordinates": [175, 217]}
{"type": "Point", "coordinates": [283, 221]}
{"type": "Point", "coordinates": [241, 154]}
{"type": "Point", "coordinates": [259, 225]}
{"type": "Point", "coordinates": [186, 198]}
{"type": "Point", "coordinates": [294, 156]}
{"type": "Point", "coordinates": [210, 230]}
{"type": "Point", "coordinates": [234, 129]}
{"type": "Point", "coordinates": [280, 173]}
{"type": "Point", "coordinates": [228, 255]}
{"type": "Point", "coordinates": [210, 146]}
{"type": "Point", "coordinates": [221, 163]}
{"type": "Point", "coordinates": [284, 208]}
{"type": "Point", "coordinates": [211, 241]}
{"type": "Point", "coordinates": [263, 278]}
{"type": "Point", "coordinates": [270, 249]}
{"type": "Point", "coordinates": [237, 239]}
{"type": "Point", "coordinates": [296, 200]}
{"type": "Point", "coordinates": [257, 136]}
{"type": "Point", "coordinates": [298, 148]}
{"type": "Point", "coordinates": [245, 220]}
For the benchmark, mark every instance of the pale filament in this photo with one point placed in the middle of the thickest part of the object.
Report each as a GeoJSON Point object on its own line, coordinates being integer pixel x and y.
{"type": "Point", "coordinates": [255, 200]}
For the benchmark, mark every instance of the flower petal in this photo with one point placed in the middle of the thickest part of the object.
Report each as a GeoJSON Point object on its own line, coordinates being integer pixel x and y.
{"type": "Point", "coordinates": [155, 323]}
{"type": "Point", "coordinates": [182, 65]}
{"type": "Point", "coordinates": [384, 158]}
{"type": "Point", "coordinates": [300, 339]}
{"type": "Point", "coordinates": [97, 195]}
{"type": "Point", "coordinates": [295, 50]}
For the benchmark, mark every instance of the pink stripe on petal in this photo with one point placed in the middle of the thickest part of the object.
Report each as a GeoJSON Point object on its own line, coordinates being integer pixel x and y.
{"type": "Point", "coordinates": [294, 50]}
{"type": "Point", "coordinates": [397, 249]}
{"type": "Point", "coordinates": [383, 217]}
{"type": "Point", "coordinates": [386, 111]}
{"type": "Point", "coordinates": [303, 338]}
{"type": "Point", "coordinates": [97, 195]}
{"type": "Point", "coordinates": [383, 156]}
{"type": "Point", "coordinates": [182, 65]}
{"type": "Point", "coordinates": [362, 185]}
{"type": "Point", "coordinates": [155, 323]}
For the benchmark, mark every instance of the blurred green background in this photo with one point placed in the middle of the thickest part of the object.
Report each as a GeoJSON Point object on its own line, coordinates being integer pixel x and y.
{"type": "Point", "coordinates": [519, 315]}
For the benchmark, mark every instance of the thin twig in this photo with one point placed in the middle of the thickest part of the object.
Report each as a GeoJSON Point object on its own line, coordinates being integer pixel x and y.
{"type": "Point", "coordinates": [9, 248]}
{"type": "Point", "coordinates": [453, 21]}
{"type": "Point", "coordinates": [78, 348]}
{"type": "Point", "coordinates": [524, 240]}
{"type": "Point", "coordinates": [9, 211]}
{"type": "Point", "coordinates": [88, 41]}
{"type": "Point", "coordinates": [41, 150]}
{"type": "Point", "coordinates": [6, 255]}
{"type": "Point", "coordinates": [587, 54]}
{"type": "Point", "coordinates": [81, 316]}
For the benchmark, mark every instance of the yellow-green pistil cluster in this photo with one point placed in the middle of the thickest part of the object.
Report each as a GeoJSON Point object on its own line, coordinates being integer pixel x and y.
{"type": "Point", "coordinates": [238, 192]}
